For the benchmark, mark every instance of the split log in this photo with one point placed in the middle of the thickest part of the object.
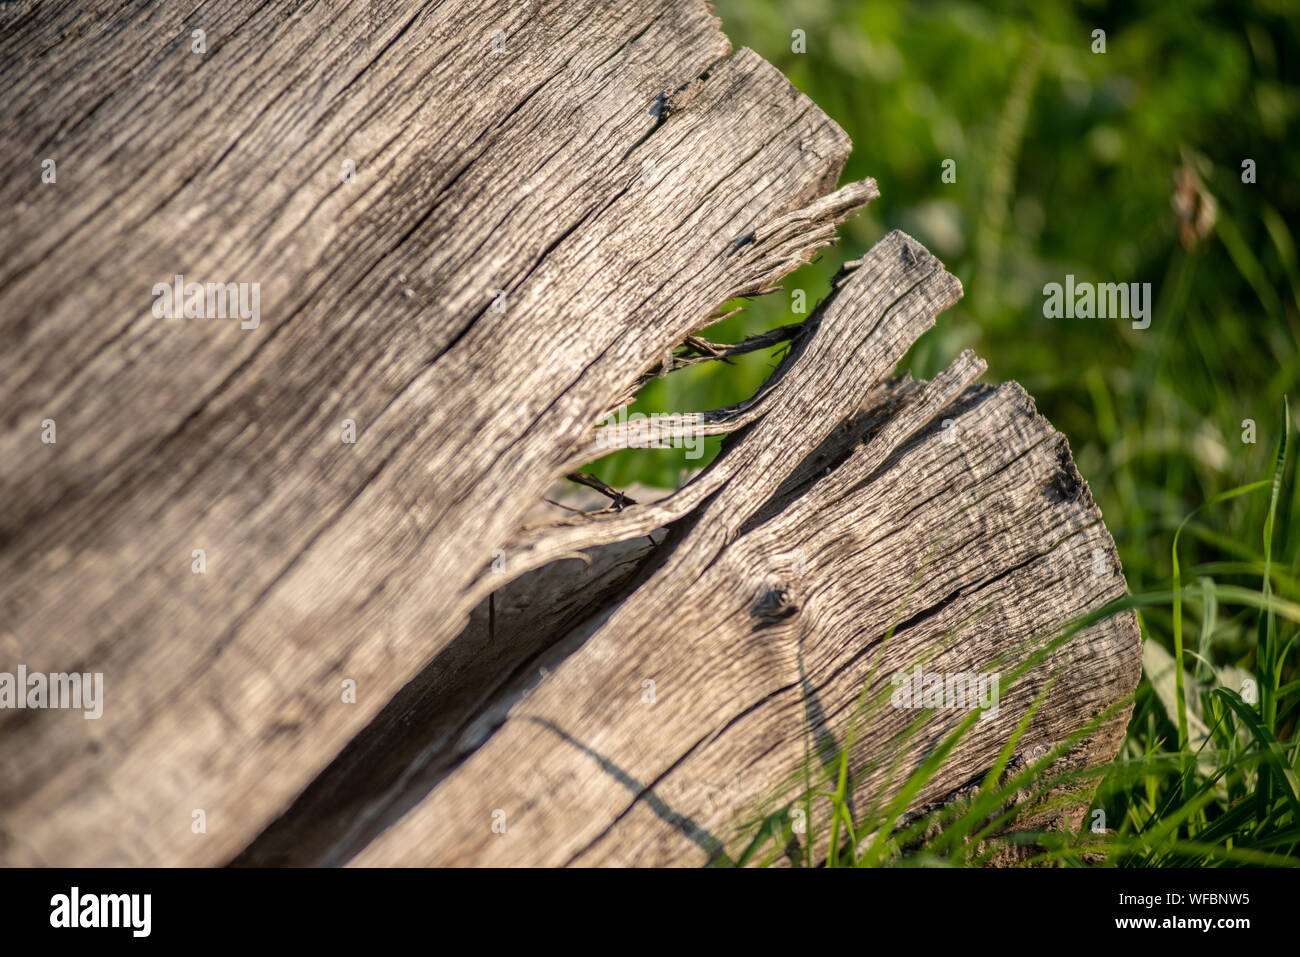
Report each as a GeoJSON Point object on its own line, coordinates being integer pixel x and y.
{"type": "Point", "coordinates": [547, 198]}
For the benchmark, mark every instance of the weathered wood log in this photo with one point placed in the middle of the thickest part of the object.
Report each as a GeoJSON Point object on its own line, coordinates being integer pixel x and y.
{"type": "Point", "coordinates": [474, 228]}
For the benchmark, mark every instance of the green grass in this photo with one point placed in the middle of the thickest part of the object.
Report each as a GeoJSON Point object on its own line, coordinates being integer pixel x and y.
{"type": "Point", "coordinates": [1068, 161]}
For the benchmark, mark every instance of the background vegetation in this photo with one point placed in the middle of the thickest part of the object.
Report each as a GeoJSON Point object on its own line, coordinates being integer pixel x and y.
{"type": "Point", "coordinates": [1122, 166]}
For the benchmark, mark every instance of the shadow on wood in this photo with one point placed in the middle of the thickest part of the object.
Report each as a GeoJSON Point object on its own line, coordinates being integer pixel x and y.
{"type": "Point", "coordinates": [468, 246]}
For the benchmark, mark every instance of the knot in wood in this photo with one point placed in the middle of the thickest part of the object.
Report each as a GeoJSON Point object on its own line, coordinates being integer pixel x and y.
{"type": "Point", "coordinates": [1067, 484]}
{"type": "Point", "coordinates": [774, 603]}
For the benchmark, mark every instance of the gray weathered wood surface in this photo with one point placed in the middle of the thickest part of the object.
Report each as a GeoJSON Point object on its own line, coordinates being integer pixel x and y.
{"type": "Point", "coordinates": [546, 178]}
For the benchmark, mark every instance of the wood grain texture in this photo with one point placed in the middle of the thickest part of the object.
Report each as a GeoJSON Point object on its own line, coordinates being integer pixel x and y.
{"type": "Point", "coordinates": [975, 550]}
{"type": "Point", "coordinates": [532, 224]}
{"type": "Point", "coordinates": [476, 172]}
